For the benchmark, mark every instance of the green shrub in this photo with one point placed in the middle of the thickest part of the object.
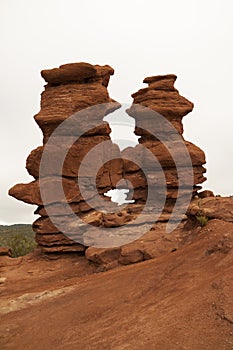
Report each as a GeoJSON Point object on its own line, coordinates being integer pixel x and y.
{"type": "Point", "coordinates": [20, 238]}
{"type": "Point", "coordinates": [202, 219]}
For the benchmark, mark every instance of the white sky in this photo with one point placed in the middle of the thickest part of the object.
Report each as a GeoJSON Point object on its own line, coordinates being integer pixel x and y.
{"type": "Point", "coordinates": [192, 39]}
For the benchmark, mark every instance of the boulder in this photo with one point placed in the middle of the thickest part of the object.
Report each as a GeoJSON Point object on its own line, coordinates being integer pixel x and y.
{"type": "Point", "coordinates": [212, 208]}
{"type": "Point", "coordinates": [5, 251]}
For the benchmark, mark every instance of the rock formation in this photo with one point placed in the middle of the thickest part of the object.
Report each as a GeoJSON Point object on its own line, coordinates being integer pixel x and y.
{"type": "Point", "coordinates": [72, 88]}
{"type": "Point", "coordinates": [162, 97]}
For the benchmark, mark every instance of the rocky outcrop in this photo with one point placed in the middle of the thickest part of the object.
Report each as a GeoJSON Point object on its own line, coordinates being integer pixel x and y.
{"type": "Point", "coordinates": [212, 208]}
{"type": "Point", "coordinates": [70, 89]}
{"type": "Point", "coordinates": [77, 87]}
{"type": "Point", "coordinates": [161, 97]}
{"type": "Point", "coordinates": [152, 245]}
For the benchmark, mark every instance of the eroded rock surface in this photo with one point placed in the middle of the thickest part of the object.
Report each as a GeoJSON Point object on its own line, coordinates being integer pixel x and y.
{"type": "Point", "coordinates": [77, 87]}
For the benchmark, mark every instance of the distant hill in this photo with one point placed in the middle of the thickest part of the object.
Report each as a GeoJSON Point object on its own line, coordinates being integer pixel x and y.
{"type": "Point", "coordinates": [15, 228]}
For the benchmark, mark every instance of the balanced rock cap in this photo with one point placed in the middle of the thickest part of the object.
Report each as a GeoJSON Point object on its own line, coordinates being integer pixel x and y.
{"type": "Point", "coordinates": [75, 72]}
{"type": "Point", "coordinates": [156, 78]}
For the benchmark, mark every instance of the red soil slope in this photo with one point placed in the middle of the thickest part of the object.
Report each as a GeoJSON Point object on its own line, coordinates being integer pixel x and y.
{"type": "Point", "coordinates": [181, 300]}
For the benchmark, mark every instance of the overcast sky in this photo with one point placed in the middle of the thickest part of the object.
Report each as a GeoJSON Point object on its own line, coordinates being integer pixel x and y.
{"type": "Point", "coordinates": [192, 39]}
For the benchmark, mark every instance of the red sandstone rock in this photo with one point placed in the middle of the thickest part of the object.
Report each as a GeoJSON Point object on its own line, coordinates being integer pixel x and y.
{"type": "Point", "coordinates": [166, 81]}
{"type": "Point", "coordinates": [162, 97]}
{"type": "Point", "coordinates": [62, 248]}
{"type": "Point", "coordinates": [61, 209]}
{"type": "Point", "coordinates": [60, 103]}
{"type": "Point", "coordinates": [165, 157]}
{"type": "Point", "coordinates": [139, 180]}
{"type": "Point", "coordinates": [30, 193]}
{"type": "Point", "coordinates": [71, 89]}
{"type": "Point", "coordinates": [102, 256]}
{"type": "Point", "coordinates": [205, 194]}
{"type": "Point", "coordinates": [54, 240]}
{"type": "Point", "coordinates": [212, 208]}
{"type": "Point", "coordinates": [5, 251]}
{"type": "Point", "coordinates": [68, 73]}
{"type": "Point", "coordinates": [74, 157]}
{"type": "Point", "coordinates": [71, 92]}
{"type": "Point", "coordinates": [77, 72]}
{"type": "Point", "coordinates": [151, 245]}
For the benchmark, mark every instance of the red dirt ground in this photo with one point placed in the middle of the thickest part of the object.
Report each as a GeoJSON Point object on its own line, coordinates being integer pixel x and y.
{"type": "Point", "coordinates": [181, 300]}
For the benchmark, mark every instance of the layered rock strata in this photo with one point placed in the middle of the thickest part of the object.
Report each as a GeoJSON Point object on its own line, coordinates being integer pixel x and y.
{"type": "Point", "coordinates": [158, 111]}
{"type": "Point", "coordinates": [70, 89]}
{"type": "Point", "coordinates": [73, 88]}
